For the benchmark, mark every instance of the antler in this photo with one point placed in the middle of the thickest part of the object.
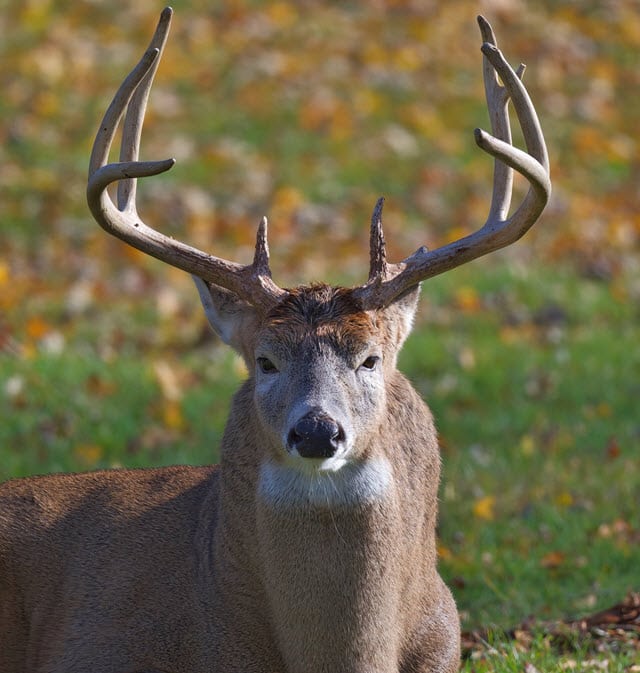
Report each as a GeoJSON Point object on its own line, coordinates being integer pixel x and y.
{"type": "Point", "coordinates": [252, 282]}
{"type": "Point", "coordinates": [388, 281]}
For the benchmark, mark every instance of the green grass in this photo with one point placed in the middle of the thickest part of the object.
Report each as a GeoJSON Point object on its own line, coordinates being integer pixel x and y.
{"type": "Point", "coordinates": [78, 412]}
{"type": "Point", "coordinates": [538, 654]}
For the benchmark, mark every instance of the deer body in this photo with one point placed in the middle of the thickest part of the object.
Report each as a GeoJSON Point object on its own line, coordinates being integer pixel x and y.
{"type": "Point", "coordinates": [311, 549]}
{"type": "Point", "coordinates": [99, 571]}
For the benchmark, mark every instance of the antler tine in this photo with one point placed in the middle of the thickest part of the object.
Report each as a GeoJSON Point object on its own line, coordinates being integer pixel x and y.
{"type": "Point", "coordinates": [498, 230]}
{"type": "Point", "coordinates": [251, 282]}
{"type": "Point", "coordinates": [134, 118]}
{"type": "Point", "coordinates": [261, 254]}
{"type": "Point", "coordinates": [497, 103]}
{"type": "Point", "coordinates": [377, 246]}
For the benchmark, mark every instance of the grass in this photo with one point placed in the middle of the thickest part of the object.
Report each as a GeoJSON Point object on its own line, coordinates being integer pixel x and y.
{"type": "Point", "coordinates": [538, 654]}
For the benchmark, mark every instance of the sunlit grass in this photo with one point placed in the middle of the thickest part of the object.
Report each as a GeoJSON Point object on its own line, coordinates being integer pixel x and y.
{"type": "Point", "coordinates": [537, 654]}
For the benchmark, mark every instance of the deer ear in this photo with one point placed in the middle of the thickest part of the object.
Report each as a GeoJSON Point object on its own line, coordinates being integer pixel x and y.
{"type": "Point", "coordinates": [232, 318]}
{"type": "Point", "coordinates": [402, 312]}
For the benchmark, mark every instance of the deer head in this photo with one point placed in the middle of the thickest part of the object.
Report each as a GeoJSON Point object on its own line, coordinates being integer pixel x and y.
{"type": "Point", "coordinates": [348, 339]}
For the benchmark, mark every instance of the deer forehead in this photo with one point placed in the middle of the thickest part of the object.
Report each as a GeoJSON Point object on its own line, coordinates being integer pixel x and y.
{"type": "Point", "coordinates": [321, 316]}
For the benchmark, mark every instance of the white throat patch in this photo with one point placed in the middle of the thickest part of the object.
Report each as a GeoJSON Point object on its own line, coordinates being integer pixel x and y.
{"type": "Point", "coordinates": [341, 484]}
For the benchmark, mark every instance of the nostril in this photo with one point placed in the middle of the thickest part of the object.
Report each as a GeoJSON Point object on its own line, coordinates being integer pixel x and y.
{"type": "Point", "coordinates": [315, 436]}
{"type": "Point", "coordinates": [293, 438]}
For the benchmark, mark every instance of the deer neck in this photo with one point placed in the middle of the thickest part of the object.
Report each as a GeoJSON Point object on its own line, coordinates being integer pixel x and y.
{"type": "Point", "coordinates": [328, 555]}
{"type": "Point", "coordinates": [325, 559]}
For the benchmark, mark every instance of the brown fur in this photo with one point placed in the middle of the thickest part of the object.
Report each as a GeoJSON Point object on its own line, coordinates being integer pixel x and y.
{"type": "Point", "coordinates": [195, 570]}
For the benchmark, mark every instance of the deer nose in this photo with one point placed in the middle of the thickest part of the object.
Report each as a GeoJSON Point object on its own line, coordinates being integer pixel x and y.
{"type": "Point", "coordinates": [315, 435]}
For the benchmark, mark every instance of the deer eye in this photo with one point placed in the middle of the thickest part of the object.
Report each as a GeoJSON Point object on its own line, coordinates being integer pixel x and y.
{"type": "Point", "coordinates": [266, 366]}
{"type": "Point", "coordinates": [370, 363]}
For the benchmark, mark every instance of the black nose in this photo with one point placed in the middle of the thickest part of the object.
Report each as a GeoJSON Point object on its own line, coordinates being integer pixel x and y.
{"type": "Point", "coordinates": [315, 435]}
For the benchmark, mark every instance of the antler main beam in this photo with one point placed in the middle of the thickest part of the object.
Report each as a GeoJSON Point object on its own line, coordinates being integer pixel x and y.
{"type": "Point", "coordinates": [388, 281]}
{"type": "Point", "coordinates": [251, 282]}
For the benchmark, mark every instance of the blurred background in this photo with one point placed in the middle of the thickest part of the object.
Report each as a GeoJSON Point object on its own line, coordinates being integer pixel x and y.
{"type": "Point", "coordinates": [307, 112]}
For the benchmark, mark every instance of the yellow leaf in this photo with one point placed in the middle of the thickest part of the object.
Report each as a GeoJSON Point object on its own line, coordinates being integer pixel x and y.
{"type": "Point", "coordinates": [455, 233]}
{"type": "Point", "coordinates": [282, 14]}
{"type": "Point", "coordinates": [287, 200]}
{"type": "Point", "coordinates": [408, 57]}
{"type": "Point", "coordinates": [4, 273]}
{"type": "Point", "coordinates": [483, 508]}
{"type": "Point", "coordinates": [527, 445]}
{"type": "Point", "coordinates": [37, 327]}
{"type": "Point", "coordinates": [375, 54]}
{"type": "Point", "coordinates": [88, 454]}
{"type": "Point", "coordinates": [444, 553]}
{"type": "Point", "coordinates": [341, 123]}
{"type": "Point", "coordinates": [508, 334]}
{"type": "Point", "coordinates": [467, 299]}
{"type": "Point", "coordinates": [172, 415]}
{"type": "Point", "coordinates": [588, 140]}
{"type": "Point", "coordinates": [366, 101]}
{"type": "Point", "coordinates": [564, 499]}
{"type": "Point", "coordinates": [28, 351]}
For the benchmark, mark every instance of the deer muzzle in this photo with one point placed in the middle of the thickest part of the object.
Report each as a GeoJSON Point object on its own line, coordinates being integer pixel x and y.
{"type": "Point", "coordinates": [315, 435]}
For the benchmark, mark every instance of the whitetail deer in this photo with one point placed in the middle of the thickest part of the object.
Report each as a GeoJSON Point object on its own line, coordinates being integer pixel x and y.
{"type": "Point", "coordinates": [312, 547]}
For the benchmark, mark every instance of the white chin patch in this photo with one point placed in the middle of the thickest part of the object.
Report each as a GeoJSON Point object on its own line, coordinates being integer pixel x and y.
{"type": "Point", "coordinates": [331, 482]}
{"type": "Point", "coordinates": [332, 464]}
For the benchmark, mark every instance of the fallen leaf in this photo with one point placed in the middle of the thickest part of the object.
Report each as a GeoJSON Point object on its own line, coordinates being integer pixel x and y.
{"type": "Point", "coordinates": [444, 553]}
{"type": "Point", "coordinates": [99, 387]}
{"type": "Point", "coordinates": [553, 559]}
{"type": "Point", "coordinates": [467, 299]}
{"type": "Point", "coordinates": [88, 454]}
{"type": "Point", "coordinates": [613, 448]}
{"type": "Point", "coordinates": [483, 508]}
{"type": "Point", "coordinates": [172, 415]}
{"type": "Point", "coordinates": [37, 327]}
{"type": "Point", "coordinates": [564, 499]}
{"type": "Point", "coordinates": [527, 445]}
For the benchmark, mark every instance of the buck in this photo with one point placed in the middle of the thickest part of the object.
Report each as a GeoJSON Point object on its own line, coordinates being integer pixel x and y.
{"type": "Point", "coordinates": [311, 548]}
